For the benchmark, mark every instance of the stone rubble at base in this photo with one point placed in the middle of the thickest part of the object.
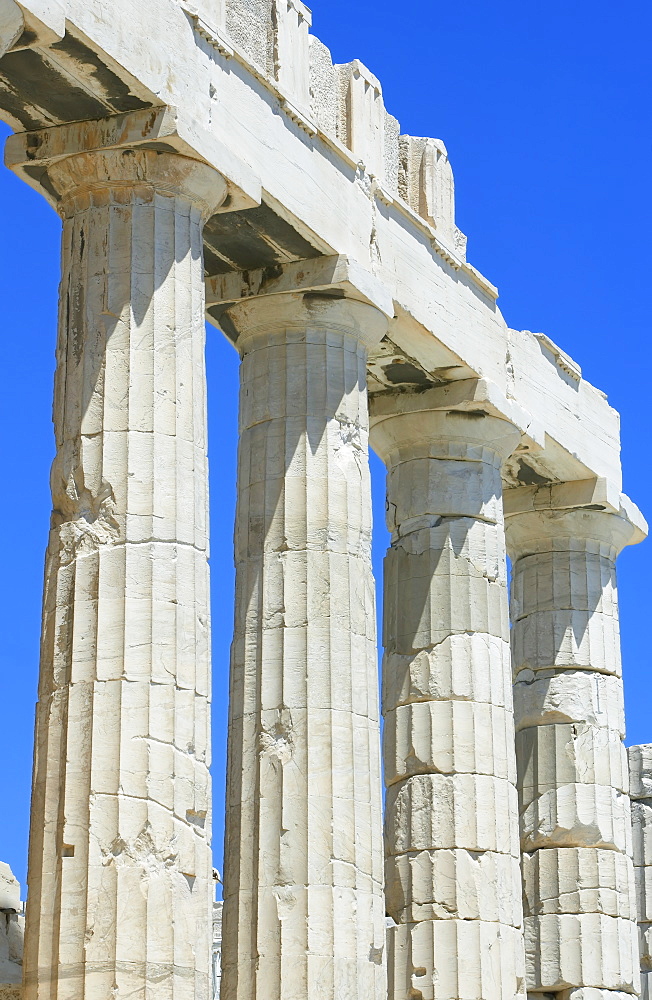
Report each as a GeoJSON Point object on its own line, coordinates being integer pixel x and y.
{"type": "Point", "coordinates": [209, 161]}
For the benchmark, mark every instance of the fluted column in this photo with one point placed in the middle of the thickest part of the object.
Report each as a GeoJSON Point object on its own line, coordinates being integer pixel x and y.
{"type": "Point", "coordinates": [640, 790]}
{"type": "Point", "coordinates": [451, 821]}
{"type": "Point", "coordinates": [580, 915]}
{"type": "Point", "coordinates": [303, 889]}
{"type": "Point", "coordinates": [120, 884]}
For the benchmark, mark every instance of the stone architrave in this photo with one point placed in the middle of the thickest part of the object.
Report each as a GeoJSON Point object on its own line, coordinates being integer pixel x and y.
{"type": "Point", "coordinates": [304, 912]}
{"type": "Point", "coordinates": [578, 879]}
{"type": "Point", "coordinates": [451, 824]}
{"type": "Point", "coordinates": [120, 877]}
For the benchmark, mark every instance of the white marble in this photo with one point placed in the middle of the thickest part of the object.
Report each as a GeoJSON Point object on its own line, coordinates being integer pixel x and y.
{"type": "Point", "coordinates": [120, 874]}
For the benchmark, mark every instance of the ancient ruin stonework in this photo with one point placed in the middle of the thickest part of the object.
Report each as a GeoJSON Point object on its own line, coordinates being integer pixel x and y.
{"type": "Point", "coordinates": [210, 162]}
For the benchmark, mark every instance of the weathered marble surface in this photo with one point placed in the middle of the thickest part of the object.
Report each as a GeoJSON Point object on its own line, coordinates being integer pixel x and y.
{"type": "Point", "coordinates": [304, 908]}
{"type": "Point", "coordinates": [451, 831]}
{"type": "Point", "coordinates": [573, 777]}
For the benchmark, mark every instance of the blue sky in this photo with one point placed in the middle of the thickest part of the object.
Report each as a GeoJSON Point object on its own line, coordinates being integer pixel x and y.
{"type": "Point", "coordinates": [546, 113]}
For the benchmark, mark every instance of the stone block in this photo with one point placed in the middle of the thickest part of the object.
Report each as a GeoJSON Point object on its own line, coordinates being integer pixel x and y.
{"type": "Point", "coordinates": [447, 738]}
{"type": "Point", "coordinates": [577, 815]}
{"type": "Point", "coordinates": [587, 993]}
{"type": "Point", "coordinates": [9, 890]}
{"type": "Point", "coordinates": [439, 960]}
{"type": "Point", "coordinates": [588, 950]}
{"type": "Point", "coordinates": [546, 697]}
{"type": "Point", "coordinates": [466, 666]}
{"type": "Point", "coordinates": [578, 880]}
{"type": "Point", "coordinates": [437, 487]}
{"type": "Point", "coordinates": [456, 565]}
{"type": "Point", "coordinates": [291, 21]}
{"type": "Point", "coordinates": [432, 811]}
{"type": "Point", "coordinates": [645, 944]}
{"type": "Point", "coordinates": [571, 639]}
{"type": "Point", "coordinates": [643, 882]}
{"type": "Point", "coordinates": [640, 771]}
{"type": "Point", "coordinates": [363, 110]}
{"type": "Point", "coordinates": [324, 94]}
{"type": "Point", "coordinates": [642, 832]}
{"type": "Point", "coordinates": [457, 884]}
{"type": "Point", "coordinates": [581, 576]}
{"type": "Point", "coordinates": [550, 757]}
{"type": "Point", "coordinates": [646, 984]}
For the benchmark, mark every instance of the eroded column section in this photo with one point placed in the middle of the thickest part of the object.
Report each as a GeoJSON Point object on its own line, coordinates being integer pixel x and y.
{"type": "Point", "coordinates": [120, 865]}
{"type": "Point", "coordinates": [451, 821]}
{"type": "Point", "coordinates": [580, 913]}
{"type": "Point", "coordinates": [304, 907]}
{"type": "Point", "coordinates": [640, 789]}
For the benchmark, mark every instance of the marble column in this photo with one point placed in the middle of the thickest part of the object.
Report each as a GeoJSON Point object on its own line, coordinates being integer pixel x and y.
{"type": "Point", "coordinates": [640, 790]}
{"type": "Point", "coordinates": [304, 910]}
{"type": "Point", "coordinates": [120, 879]}
{"type": "Point", "coordinates": [580, 914]}
{"type": "Point", "coordinates": [451, 820]}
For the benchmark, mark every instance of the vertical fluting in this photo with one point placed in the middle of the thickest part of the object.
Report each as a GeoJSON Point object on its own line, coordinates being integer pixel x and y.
{"type": "Point", "coordinates": [120, 880]}
{"type": "Point", "coordinates": [640, 778]}
{"type": "Point", "coordinates": [303, 893]}
{"type": "Point", "coordinates": [451, 819]}
{"type": "Point", "coordinates": [578, 890]}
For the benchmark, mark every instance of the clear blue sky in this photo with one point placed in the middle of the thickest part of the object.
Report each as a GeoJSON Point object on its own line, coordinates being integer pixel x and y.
{"type": "Point", "coordinates": [546, 113]}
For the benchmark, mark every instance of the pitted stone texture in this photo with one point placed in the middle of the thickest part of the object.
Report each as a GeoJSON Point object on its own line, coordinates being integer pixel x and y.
{"type": "Point", "coordinates": [449, 737]}
{"type": "Point", "coordinates": [640, 771]}
{"type": "Point", "coordinates": [578, 880]}
{"type": "Point", "coordinates": [549, 697]}
{"type": "Point", "coordinates": [572, 573]}
{"type": "Point", "coordinates": [551, 757]}
{"type": "Point", "coordinates": [120, 862]}
{"type": "Point", "coordinates": [450, 884]}
{"type": "Point", "coordinates": [590, 948]}
{"type": "Point", "coordinates": [465, 959]}
{"type": "Point", "coordinates": [304, 912]}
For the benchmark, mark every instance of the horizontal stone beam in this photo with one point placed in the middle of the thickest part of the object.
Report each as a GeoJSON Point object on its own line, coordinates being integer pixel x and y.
{"type": "Point", "coordinates": [326, 275]}
{"type": "Point", "coordinates": [29, 154]}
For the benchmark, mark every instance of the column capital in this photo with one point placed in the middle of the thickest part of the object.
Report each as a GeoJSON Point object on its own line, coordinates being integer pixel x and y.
{"type": "Point", "coordinates": [147, 171]}
{"type": "Point", "coordinates": [300, 316]}
{"type": "Point", "coordinates": [471, 413]}
{"type": "Point", "coordinates": [539, 518]}
{"type": "Point", "coordinates": [331, 292]}
{"type": "Point", "coordinates": [33, 155]}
